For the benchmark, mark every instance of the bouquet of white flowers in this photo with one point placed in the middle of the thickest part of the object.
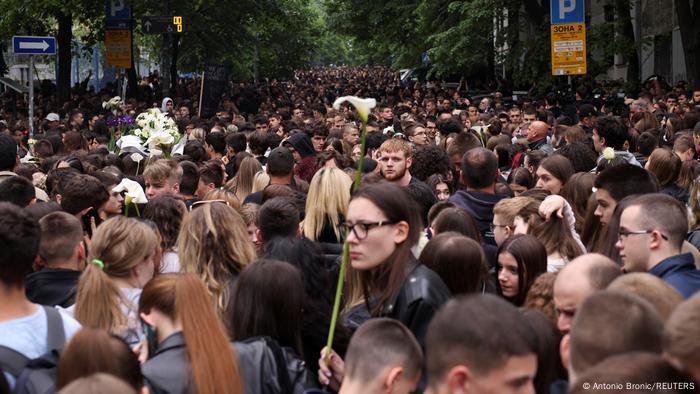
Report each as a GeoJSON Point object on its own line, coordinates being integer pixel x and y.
{"type": "Point", "coordinates": [113, 104]}
{"type": "Point", "coordinates": [157, 131]}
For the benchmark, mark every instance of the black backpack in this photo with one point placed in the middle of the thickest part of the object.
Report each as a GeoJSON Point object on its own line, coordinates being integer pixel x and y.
{"type": "Point", "coordinates": [37, 376]}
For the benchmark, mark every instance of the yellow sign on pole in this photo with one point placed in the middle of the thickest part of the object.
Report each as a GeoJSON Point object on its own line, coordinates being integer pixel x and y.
{"type": "Point", "coordinates": [118, 48]}
{"type": "Point", "coordinates": [568, 49]}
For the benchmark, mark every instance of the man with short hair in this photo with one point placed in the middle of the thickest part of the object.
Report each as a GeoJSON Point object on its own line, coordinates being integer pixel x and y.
{"type": "Point", "coordinates": [162, 176]}
{"type": "Point", "coordinates": [479, 174]}
{"type": "Point", "coordinates": [651, 235]}
{"type": "Point", "coordinates": [395, 158]}
{"type": "Point", "coordinates": [235, 143]}
{"type": "Point", "coordinates": [278, 217]}
{"type": "Point", "coordinates": [609, 132]}
{"type": "Point", "coordinates": [579, 279]}
{"type": "Point", "coordinates": [587, 117]}
{"type": "Point", "coordinates": [83, 194]}
{"type": "Point", "coordinates": [618, 182]}
{"type": "Point", "coordinates": [383, 356]}
{"type": "Point", "coordinates": [515, 116]}
{"type": "Point", "coordinates": [610, 323]}
{"type": "Point", "coordinates": [61, 259]}
{"type": "Point", "coordinates": [684, 147]}
{"type": "Point", "coordinates": [24, 326]}
{"type": "Point", "coordinates": [17, 190]}
{"type": "Point", "coordinates": [480, 344]}
{"type": "Point", "coordinates": [280, 167]}
{"type": "Point", "coordinates": [215, 145]}
{"type": "Point", "coordinates": [351, 134]}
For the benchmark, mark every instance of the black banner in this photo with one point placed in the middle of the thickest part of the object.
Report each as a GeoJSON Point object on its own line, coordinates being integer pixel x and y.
{"type": "Point", "coordinates": [216, 79]}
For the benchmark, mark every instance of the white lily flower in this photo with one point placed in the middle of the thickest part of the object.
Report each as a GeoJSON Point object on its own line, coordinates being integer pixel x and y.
{"type": "Point", "coordinates": [134, 193]}
{"type": "Point", "coordinates": [160, 138]}
{"type": "Point", "coordinates": [363, 106]}
{"type": "Point", "coordinates": [136, 157]}
{"type": "Point", "coordinates": [130, 141]}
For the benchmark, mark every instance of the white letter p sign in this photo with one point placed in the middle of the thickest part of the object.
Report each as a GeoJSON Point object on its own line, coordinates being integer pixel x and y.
{"type": "Point", "coordinates": [566, 6]}
{"type": "Point", "coordinates": [118, 6]}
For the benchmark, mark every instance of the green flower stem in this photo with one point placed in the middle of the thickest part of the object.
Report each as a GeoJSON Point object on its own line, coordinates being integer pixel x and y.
{"type": "Point", "coordinates": [138, 164]}
{"type": "Point", "coordinates": [346, 248]}
{"type": "Point", "coordinates": [137, 210]}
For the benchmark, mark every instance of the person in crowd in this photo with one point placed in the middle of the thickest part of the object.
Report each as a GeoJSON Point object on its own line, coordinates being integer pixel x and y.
{"type": "Point", "coordinates": [383, 356]}
{"type": "Point", "coordinates": [609, 323]}
{"type": "Point", "coordinates": [681, 345]}
{"type": "Point", "coordinates": [458, 260]}
{"type": "Point", "coordinates": [304, 155]}
{"type": "Point", "coordinates": [662, 296]}
{"type": "Point", "coordinates": [440, 186]}
{"type": "Point", "coordinates": [610, 132]}
{"type": "Point", "coordinates": [267, 302]}
{"type": "Point", "coordinates": [242, 183]}
{"type": "Point", "coordinates": [17, 190]}
{"type": "Point", "coordinates": [520, 180]}
{"type": "Point", "coordinates": [61, 259]}
{"type": "Point", "coordinates": [192, 350]}
{"type": "Point", "coordinates": [26, 328]}
{"type": "Point", "coordinates": [167, 211]}
{"type": "Point", "coordinates": [479, 173]}
{"type": "Point", "coordinates": [554, 173]}
{"type": "Point", "coordinates": [492, 351]}
{"type": "Point", "coordinates": [521, 259]}
{"type": "Point", "coordinates": [666, 167]}
{"type": "Point", "coordinates": [616, 183]}
{"type": "Point", "coordinates": [580, 278]}
{"type": "Point", "coordinates": [382, 225]}
{"type": "Point", "coordinates": [120, 262]}
{"type": "Point", "coordinates": [280, 168]}
{"type": "Point", "coordinates": [395, 159]}
{"type": "Point", "coordinates": [93, 351]}
{"type": "Point", "coordinates": [650, 238]}
{"type": "Point", "coordinates": [326, 204]}
{"type": "Point", "coordinates": [214, 244]}
{"type": "Point", "coordinates": [162, 176]}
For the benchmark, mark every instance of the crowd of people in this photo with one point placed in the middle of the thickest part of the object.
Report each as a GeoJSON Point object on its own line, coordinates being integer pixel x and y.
{"type": "Point", "coordinates": [546, 244]}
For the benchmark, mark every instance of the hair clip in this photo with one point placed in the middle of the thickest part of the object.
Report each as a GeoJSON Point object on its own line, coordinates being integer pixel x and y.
{"type": "Point", "coordinates": [98, 263]}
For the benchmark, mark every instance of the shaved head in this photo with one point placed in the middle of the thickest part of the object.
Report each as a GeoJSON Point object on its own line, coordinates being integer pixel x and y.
{"type": "Point", "coordinates": [537, 130]}
{"type": "Point", "coordinates": [579, 279]}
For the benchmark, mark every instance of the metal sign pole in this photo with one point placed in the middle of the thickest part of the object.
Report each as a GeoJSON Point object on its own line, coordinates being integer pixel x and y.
{"type": "Point", "coordinates": [31, 96]}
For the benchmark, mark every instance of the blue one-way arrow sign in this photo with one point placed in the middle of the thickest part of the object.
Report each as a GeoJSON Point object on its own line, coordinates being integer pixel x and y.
{"type": "Point", "coordinates": [31, 45]}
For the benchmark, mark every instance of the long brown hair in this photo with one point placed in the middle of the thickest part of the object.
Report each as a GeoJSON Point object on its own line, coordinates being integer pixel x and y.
{"type": "Point", "coordinates": [555, 235]}
{"type": "Point", "coordinates": [214, 244]}
{"type": "Point", "coordinates": [92, 351]}
{"type": "Point", "coordinates": [385, 281]}
{"type": "Point", "coordinates": [183, 297]}
{"type": "Point", "coordinates": [120, 244]}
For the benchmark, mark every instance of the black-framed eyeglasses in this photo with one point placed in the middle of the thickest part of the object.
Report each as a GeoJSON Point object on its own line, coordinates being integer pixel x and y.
{"type": "Point", "coordinates": [360, 229]}
{"type": "Point", "coordinates": [622, 234]}
{"type": "Point", "coordinates": [203, 202]}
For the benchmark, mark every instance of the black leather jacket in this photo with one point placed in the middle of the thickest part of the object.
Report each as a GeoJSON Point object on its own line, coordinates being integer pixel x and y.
{"type": "Point", "coordinates": [169, 370]}
{"type": "Point", "coordinates": [421, 295]}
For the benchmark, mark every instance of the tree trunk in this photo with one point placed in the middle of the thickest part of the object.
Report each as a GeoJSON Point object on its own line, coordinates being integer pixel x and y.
{"type": "Point", "coordinates": [625, 33]}
{"type": "Point", "coordinates": [64, 38]}
{"type": "Point", "coordinates": [512, 61]}
{"type": "Point", "coordinates": [690, 37]}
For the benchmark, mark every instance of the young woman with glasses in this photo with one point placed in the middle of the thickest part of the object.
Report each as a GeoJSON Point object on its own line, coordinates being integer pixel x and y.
{"type": "Point", "coordinates": [382, 226]}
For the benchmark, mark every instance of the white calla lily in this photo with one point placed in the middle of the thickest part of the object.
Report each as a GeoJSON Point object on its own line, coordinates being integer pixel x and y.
{"type": "Point", "coordinates": [160, 138]}
{"type": "Point", "coordinates": [362, 105]}
{"type": "Point", "coordinates": [134, 192]}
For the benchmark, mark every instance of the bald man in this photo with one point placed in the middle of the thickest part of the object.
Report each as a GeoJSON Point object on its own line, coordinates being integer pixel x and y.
{"type": "Point", "coordinates": [579, 279]}
{"type": "Point", "coordinates": [536, 136]}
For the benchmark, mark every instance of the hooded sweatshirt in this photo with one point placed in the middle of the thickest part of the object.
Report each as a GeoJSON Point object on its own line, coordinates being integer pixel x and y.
{"type": "Point", "coordinates": [480, 206]}
{"type": "Point", "coordinates": [306, 167]}
{"type": "Point", "coordinates": [163, 109]}
{"type": "Point", "coordinates": [53, 286]}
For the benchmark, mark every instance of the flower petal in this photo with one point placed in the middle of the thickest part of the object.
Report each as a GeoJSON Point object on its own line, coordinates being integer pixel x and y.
{"type": "Point", "coordinates": [362, 105]}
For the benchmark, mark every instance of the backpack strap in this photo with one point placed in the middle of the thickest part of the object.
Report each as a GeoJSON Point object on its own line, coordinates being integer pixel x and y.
{"type": "Point", "coordinates": [12, 361]}
{"type": "Point", "coordinates": [55, 334]}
